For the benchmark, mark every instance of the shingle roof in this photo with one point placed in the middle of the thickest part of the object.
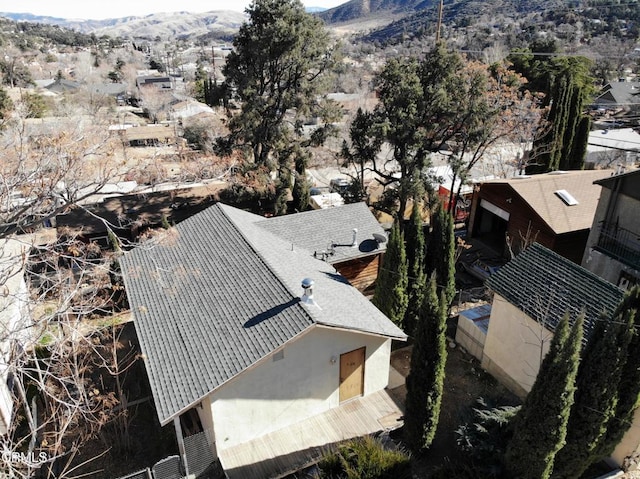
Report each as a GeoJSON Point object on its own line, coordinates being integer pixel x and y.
{"type": "Point", "coordinates": [317, 230]}
{"type": "Point", "coordinates": [546, 286]}
{"type": "Point", "coordinates": [539, 192]}
{"type": "Point", "coordinates": [619, 93]}
{"type": "Point", "coordinates": [219, 293]}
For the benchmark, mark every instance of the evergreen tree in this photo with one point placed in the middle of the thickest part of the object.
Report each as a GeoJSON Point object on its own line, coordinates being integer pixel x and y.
{"type": "Point", "coordinates": [276, 71]}
{"type": "Point", "coordinates": [629, 384]}
{"type": "Point", "coordinates": [596, 396]}
{"type": "Point", "coordinates": [441, 253]}
{"type": "Point", "coordinates": [563, 144]}
{"type": "Point", "coordinates": [415, 241]}
{"type": "Point", "coordinates": [391, 287]}
{"type": "Point", "coordinates": [426, 377]}
{"type": "Point", "coordinates": [540, 426]}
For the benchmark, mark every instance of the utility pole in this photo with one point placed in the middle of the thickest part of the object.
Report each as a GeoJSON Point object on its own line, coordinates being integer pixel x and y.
{"type": "Point", "coordinates": [439, 27]}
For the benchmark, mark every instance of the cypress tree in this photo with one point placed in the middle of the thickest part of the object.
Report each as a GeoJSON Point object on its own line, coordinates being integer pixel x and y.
{"type": "Point", "coordinates": [441, 253]}
{"type": "Point", "coordinates": [415, 241]}
{"type": "Point", "coordinates": [391, 287]}
{"type": "Point", "coordinates": [629, 384]}
{"type": "Point", "coordinates": [540, 425]}
{"type": "Point", "coordinates": [563, 145]}
{"type": "Point", "coordinates": [596, 397]}
{"type": "Point", "coordinates": [426, 377]}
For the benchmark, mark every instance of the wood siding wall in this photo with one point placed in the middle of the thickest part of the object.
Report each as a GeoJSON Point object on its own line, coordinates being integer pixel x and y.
{"type": "Point", "coordinates": [361, 273]}
{"type": "Point", "coordinates": [525, 219]}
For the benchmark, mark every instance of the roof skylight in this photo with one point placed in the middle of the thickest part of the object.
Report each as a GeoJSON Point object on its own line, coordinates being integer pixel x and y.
{"type": "Point", "coordinates": [566, 197]}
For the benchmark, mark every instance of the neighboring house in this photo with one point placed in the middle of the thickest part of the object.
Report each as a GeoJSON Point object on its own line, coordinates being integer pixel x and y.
{"type": "Point", "coordinates": [554, 209]}
{"type": "Point", "coordinates": [13, 316]}
{"type": "Point", "coordinates": [119, 91]}
{"type": "Point", "coordinates": [612, 148]}
{"type": "Point", "coordinates": [190, 108]}
{"type": "Point", "coordinates": [618, 96]}
{"type": "Point", "coordinates": [63, 86]}
{"type": "Point", "coordinates": [162, 82]}
{"type": "Point", "coordinates": [240, 343]}
{"type": "Point", "coordinates": [531, 294]}
{"type": "Point", "coordinates": [613, 247]}
{"type": "Point", "coordinates": [149, 135]}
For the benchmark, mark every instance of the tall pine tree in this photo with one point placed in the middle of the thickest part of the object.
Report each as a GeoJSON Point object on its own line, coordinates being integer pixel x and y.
{"type": "Point", "coordinates": [391, 286]}
{"type": "Point", "coordinates": [415, 245]}
{"type": "Point", "coordinates": [596, 396]}
{"type": "Point", "coordinates": [541, 424]}
{"type": "Point", "coordinates": [426, 377]}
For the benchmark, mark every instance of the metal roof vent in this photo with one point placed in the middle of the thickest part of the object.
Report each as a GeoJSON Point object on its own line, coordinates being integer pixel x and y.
{"type": "Point", "coordinates": [567, 197]}
{"type": "Point", "coordinates": [354, 241]}
{"type": "Point", "coordinates": [307, 295]}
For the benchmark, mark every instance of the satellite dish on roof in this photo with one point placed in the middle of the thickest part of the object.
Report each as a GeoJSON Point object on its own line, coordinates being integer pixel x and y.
{"type": "Point", "coordinates": [380, 238]}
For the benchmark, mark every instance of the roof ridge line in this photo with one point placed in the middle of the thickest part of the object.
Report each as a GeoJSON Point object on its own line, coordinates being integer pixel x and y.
{"type": "Point", "coordinates": [264, 260]}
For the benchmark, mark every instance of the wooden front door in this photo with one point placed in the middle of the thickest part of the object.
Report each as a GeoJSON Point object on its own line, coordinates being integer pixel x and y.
{"type": "Point", "coordinates": [352, 374]}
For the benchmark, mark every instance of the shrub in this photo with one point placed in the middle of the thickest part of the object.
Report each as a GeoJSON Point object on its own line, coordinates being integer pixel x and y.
{"type": "Point", "coordinates": [365, 458]}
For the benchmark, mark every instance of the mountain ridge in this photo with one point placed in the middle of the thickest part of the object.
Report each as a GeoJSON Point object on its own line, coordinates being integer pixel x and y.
{"type": "Point", "coordinates": [173, 24]}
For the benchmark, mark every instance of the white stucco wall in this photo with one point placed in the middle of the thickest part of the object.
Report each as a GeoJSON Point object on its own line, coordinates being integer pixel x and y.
{"type": "Point", "coordinates": [275, 394]}
{"type": "Point", "coordinates": [514, 347]}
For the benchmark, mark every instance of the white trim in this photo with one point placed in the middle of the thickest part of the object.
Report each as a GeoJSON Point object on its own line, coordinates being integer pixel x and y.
{"type": "Point", "coordinates": [495, 210]}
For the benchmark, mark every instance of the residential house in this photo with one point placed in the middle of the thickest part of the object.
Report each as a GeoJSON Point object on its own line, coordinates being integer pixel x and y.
{"type": "Point", "coordinates": [554, 209]}
{"type": "Point", "coordinates": [150, 135]}
{"type": "Point", "coordinates": [618, 96]}
{"type": "Point", "coordinates": [250, 338]}
{"type": "Point", "coordinates": [613, 246]}
{"type": "Point", "coordinates": [162, 82]}
{"type": "Point", "coordinates": [61, 85]}
{"type": "Point", "coordinates": [531, 294]}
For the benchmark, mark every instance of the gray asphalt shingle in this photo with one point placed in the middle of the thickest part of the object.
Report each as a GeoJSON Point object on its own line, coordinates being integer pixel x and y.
{"type": "Point", "coordinates": [319, 230]}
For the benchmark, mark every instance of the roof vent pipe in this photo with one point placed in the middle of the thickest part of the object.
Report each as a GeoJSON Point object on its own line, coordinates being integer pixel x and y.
{"type": "Point", "coordinates": [354, 242]}
{"type": "Point", "coordinates": [307, 287]}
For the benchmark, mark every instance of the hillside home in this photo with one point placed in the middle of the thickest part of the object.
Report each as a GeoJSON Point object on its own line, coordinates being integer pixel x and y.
{"type": "Point", "coordinates": [554, 209]}
{"type": "Point", "coordinates": [531, 294]}
{"type": "Point", "coordinates": [618, 96]}
{"type": "Point", "coordinates": [613, 246]}
{"type": "Point", "coordinates": [252, 340]}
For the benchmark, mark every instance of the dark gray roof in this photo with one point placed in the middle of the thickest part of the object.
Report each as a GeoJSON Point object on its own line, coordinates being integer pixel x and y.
{"type": "Point", "coordinates": [546, 286]}
{"type": "Point", "coordinates": [330, 230]}
{"type": "Point", "coordinates": [217, 293]}
{"type": "Point", "coordinates": [619, 93]}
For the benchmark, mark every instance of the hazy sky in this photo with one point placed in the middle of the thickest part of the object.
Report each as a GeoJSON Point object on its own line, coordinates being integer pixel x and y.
{"type": "Point", "coordinates": [99, 9]}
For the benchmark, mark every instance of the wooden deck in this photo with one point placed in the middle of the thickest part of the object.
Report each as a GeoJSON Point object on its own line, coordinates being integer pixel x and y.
{"type": "Point", "coordinates": [287, 450]}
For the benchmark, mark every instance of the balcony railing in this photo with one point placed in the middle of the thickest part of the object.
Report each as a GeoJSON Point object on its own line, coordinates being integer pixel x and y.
{"type": "Point", "coordinates": [620, 243]}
